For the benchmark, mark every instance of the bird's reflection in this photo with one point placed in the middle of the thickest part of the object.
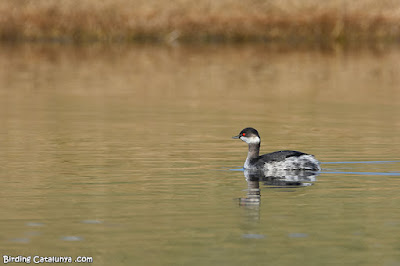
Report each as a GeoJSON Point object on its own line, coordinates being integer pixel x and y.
{"type": "Point", "coordinates": [277, 178]}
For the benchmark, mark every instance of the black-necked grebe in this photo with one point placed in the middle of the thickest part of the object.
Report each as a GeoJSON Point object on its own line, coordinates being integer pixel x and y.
{"type": "Point", "coordinates": [274, 160]}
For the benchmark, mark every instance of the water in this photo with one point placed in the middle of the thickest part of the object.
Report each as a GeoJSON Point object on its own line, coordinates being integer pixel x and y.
{"type": "Point", "coordinates": [124, 154]}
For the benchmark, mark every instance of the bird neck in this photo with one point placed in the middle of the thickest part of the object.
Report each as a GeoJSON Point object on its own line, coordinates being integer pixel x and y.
{"type": "Point", "coordinates": [254, 150]}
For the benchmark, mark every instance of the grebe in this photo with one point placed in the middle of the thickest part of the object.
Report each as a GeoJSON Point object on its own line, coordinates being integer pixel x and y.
{"type": "Point", "coordinates": [274, 160]}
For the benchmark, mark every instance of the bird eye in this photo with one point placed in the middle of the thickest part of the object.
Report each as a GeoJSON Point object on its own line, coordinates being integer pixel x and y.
{"type": "Point", "coordinates": [243, 134]}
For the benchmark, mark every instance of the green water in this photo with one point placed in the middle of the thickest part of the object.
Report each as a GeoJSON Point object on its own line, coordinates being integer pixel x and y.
{"type": "Point", "coordinates": [123, 154]}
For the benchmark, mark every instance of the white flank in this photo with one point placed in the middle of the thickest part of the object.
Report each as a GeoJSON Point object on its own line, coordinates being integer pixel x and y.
{"type": "Point", "coordinates": [291, 163]}
{"type": "Point", "coordinates": [286, 175]}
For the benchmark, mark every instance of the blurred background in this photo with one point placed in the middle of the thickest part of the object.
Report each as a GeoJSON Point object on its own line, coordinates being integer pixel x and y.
{"type": "Point", "coordinates": [116, 120]}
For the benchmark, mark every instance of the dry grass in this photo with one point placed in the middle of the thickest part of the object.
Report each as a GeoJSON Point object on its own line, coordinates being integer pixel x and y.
{"type": "Point", "coordinates": [200, 20]}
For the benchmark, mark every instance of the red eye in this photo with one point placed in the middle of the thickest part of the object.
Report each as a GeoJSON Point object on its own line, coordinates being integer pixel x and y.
{"type": "Point", "coordinates": [243, 134]}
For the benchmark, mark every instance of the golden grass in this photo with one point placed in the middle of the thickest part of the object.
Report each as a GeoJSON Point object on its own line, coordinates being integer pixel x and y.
{"type": "Point", "coordinates": [200, 20]}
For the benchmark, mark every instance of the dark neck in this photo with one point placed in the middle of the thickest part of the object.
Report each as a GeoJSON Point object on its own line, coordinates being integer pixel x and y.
{"type": "Point", "coordinates": [254, 150]}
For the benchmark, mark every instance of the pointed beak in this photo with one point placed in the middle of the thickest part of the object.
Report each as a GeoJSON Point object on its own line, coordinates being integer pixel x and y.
{"type": "Point", "coordinates": [236, 137]}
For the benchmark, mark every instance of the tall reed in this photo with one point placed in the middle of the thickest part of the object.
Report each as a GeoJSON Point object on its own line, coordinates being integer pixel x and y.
{"type": "Point", "coordinates": [200, 20]}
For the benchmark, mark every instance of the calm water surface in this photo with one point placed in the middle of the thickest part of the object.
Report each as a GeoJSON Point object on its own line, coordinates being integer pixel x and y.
{"type": "Point", "coordinates": [124, 154]}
